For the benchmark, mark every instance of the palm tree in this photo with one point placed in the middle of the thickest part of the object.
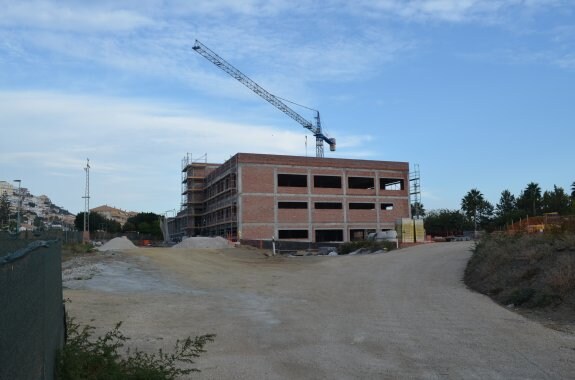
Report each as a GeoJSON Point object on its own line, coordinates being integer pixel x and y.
{"type": "Point", "coordinates": [474, 205]}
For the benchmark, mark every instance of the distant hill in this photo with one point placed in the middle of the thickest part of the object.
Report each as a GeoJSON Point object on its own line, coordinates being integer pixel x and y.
{"type": "Point", "coordinates": [36, 210]}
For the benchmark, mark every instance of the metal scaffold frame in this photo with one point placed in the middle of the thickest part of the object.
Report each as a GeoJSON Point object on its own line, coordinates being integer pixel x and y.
{"type": "Point", "coordinates": [415, 190]}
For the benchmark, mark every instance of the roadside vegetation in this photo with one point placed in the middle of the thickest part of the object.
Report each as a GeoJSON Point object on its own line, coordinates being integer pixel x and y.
{"type": "Point", "coordinates": [526, 271]}
{"type": "Point", "coordinates": [86, 357]}
{"type": "Point", "coordinates": [368, 245]}
{"type": "Point", "coordinates": [526, 255]}
{"type": "Point", "coordinates": [477, 213]}
{"type": "Point", "coordinates": [144, 223]}
{"type": "Point", "coordinates": [70, 250]}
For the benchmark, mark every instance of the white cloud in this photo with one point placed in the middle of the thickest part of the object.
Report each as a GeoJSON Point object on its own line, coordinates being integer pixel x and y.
{"type": "Point", "coordinates": [70, 127]}
{"type": "Point", "coordinates": [133, 145]}
{"type": "Point", "coordinates": [484, 11]}
{"type": "Point", "coordinates": [69, 16]}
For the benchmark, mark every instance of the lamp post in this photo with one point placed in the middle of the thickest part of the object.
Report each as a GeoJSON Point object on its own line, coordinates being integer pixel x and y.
{"type": "Point", "coordinates": [19, 205]}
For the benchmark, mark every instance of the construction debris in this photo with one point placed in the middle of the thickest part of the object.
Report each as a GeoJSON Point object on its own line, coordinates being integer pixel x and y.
{"type": "Point", "coordinates": [117, 244]}
{"type": "Point", "coordinates": [203, 242]}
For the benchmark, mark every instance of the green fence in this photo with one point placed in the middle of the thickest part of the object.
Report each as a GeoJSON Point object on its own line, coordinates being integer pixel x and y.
{"type": "Point", "coordinates": [32, 322]}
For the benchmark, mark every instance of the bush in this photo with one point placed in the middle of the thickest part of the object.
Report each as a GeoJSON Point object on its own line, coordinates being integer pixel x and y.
{"type": "Point", "coordinates": [369, 245]}
{"type": "Point", "coordinates": [85, 358]}
{"type": "Point", "coordinates": [520, 296]}
{"type": "Point", "coordinates": [525, 270]}
{"type": "Point", "coordinates": [77, 248]}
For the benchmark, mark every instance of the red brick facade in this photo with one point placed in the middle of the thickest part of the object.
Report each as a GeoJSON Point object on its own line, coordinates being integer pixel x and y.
{"type": "Point", "coordinates": [303, 198]}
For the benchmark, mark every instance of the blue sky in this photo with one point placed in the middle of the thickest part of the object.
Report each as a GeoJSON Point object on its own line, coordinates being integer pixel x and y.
{"type": "Point", "coordinates": [479, 93]}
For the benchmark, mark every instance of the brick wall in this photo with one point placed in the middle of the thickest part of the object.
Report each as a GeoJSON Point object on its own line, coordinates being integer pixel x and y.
{"type": "Point", "coordinates": [260, 217]}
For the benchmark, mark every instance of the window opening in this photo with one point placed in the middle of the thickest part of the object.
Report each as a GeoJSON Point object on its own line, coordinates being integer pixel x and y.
{"type": "Point", "coordinates": [360, 183]}
{"type": "Point", "coordinates": [328, 205]}
{"type": "Point", "coordinates": [292, 234]}
{"type": "Point", "coordinates": [292, 205]}
{"type": "Point", "coordinates": [362, 206]}
{"type": "Point", "coordinates": [328, 235]}
{"type": "Point", "coordinates": [391, 184]}
{"type": "Point", "coordinates": [327, 181]}
{"type": "Point", "coordinates": [292, 180]}
{"type": "Point", "coordinates": [355, 235]}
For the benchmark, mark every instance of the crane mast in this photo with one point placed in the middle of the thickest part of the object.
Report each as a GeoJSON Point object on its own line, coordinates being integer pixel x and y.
{"type": "Point", "coordinates": [272, 99]}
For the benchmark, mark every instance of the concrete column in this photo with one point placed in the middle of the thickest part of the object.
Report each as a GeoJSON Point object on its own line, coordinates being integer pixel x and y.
{"type": "Point", "coordinates": [276, 202]}
{"type": "Point", "coordinates": [344, 205]}
{"type": "Point", "coordinates": [239, 206]}
{"type": "Point", "coordinates": [309, 205]}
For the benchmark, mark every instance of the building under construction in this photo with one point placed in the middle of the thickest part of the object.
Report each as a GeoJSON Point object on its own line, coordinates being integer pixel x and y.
{"type": "Point", "coordinates": [253, 197]}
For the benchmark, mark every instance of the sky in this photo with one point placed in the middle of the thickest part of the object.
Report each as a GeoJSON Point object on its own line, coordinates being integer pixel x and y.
{"type": "Point", "coordinates": [478, 93]}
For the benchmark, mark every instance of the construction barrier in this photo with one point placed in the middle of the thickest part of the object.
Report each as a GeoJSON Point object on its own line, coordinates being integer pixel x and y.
{"type": "Point", "coordinates": [32, 318]}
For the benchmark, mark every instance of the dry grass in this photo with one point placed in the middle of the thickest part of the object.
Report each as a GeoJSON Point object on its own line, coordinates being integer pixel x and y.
{"type": "Point", "coordinates": [531, 271]}
{"type": "Point", "coordinates": [562, 277]}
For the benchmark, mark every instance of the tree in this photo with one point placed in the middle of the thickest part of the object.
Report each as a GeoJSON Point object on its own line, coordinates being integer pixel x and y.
{"type": "Point", "coordinates": [506, 209]}
{"type": "Point", "coordinates": [39, 222]}
{"type": "Point", "coordinates": [147, 223]}
{"type": "Point", "coordinates": [507, 203]}
{"type": "Point", "coordinates": [530, 200]}
{"type": "Point", "coordinates": [95, 221]}
{"type": "Point", "coordinates": [4, 209]}
{"type": "Point", "coordinates": [417, 209]}
{"type": "Point", "coordinates": [476, 208]}
{"type": "Point", "coordinates": [446, 223]}
{"type": "Point", "coordinates": [556, 201]}
{"type": "Point", "coordinates": [128, 227]}
{"type": "Point", "coordinates": [573, 191]}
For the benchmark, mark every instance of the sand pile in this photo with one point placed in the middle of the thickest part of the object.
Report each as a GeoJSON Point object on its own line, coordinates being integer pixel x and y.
{"type": "Point", "coordinates": [117, 244]}
{"type": "Point", "coordinates": [203, 242]}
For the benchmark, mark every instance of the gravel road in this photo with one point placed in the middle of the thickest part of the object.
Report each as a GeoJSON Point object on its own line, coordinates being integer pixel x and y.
{"type": "Point", "coordinates": [404, 314]}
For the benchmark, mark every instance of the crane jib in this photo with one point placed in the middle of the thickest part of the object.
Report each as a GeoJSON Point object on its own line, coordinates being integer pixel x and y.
{"type": "Point", "coordinates": [272, 99]}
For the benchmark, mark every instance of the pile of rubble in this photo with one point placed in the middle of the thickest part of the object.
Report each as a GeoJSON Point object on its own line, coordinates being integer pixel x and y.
{"type": "Point", "coordinates": [117, 244]}
{"type": "Point", "coordinates": [203, 242]}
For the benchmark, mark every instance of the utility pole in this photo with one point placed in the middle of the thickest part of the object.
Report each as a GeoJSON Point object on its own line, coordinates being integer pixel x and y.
{"type": "Point", "coordinates": [86, 234]}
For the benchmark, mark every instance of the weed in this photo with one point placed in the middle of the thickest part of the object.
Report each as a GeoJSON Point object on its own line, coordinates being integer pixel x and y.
{"type": "Point", "coordinates": [370, 245]}
{"type": "Point", "coordinates": [544, 299]}
{"type": "Point", "coordinates": [85, 358]}
{"type": "Point", "coordinates": [530, 273]}
{"type": "Point", "coordinates": [77, 248]}
{"type": "Point", "coordinates": [562, 277]}
{"type": "Point", "coordinates": [520, 296]}
{"type": "Point", "coordinates": [525, 270]}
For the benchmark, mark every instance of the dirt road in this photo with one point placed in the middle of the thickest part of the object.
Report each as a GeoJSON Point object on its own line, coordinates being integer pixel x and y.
{"type": "Point", "coordinates": [404, 314]}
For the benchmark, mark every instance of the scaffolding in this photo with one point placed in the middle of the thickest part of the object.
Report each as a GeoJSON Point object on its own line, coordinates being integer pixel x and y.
{"type": "Point", "coordinates": [193, 176]}
{"type": "Point", "coordinates": [220, 213]}
{"type": "Point", "coordinates": [415, 192]}
{"type": "Point", "coordinates": [209, 198]}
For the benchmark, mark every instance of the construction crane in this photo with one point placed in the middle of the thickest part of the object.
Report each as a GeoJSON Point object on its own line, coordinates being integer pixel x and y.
{"type": "Point", "coordinates": [315, 128]}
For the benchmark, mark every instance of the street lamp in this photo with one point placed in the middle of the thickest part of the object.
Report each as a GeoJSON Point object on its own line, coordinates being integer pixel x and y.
{"type": "Point", "coordinates": [19, 205]}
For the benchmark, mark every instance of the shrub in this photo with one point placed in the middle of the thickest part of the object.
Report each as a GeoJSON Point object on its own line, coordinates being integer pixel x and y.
{"type": "Point", "coordinates": [521, 296]}
{"type": "Point", "coordinates": [562, 277]}
{"type": "Point", "coordinates": [369, 245]}
{"type": "Point", "coordinates": [85, 358]}
{"type": "Point", "coordinates": [525, 270]}
{"type": "Point", "coordinates": [546, 299]}
{"type": "Point", "coordinates": [77, 248]}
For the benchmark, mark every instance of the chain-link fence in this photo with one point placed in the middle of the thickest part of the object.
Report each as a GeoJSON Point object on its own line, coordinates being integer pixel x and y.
{"type": "Point", "coordinates": [32, 325]}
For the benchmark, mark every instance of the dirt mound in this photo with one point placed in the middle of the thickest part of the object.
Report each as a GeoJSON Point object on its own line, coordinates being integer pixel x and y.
{"type": "Point", "coordinates": [526, 271]}
{"type": "Point", "coordinates": [203, 242]}
{"type": "Point", "coordinates": [117, 244]}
